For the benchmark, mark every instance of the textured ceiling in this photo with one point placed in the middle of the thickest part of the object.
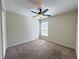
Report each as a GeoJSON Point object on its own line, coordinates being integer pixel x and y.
{"type": "Point", "coordinates": [55, 6]}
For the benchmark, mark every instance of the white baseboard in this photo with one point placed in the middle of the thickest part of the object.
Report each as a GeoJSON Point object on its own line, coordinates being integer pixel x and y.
{"type": "Point", "coordinates": [60, 44]}
{"type": "Point", "coordinates": [21, 43]}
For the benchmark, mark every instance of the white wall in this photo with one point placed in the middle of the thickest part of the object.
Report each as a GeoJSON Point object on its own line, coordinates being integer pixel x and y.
{"type": "Point", "coordinates": [20, 29]}
{"type": "Point", "coordinates": [62, 29]}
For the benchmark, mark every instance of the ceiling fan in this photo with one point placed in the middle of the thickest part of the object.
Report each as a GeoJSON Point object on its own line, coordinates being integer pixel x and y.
{"type": "Point", "coordinates": [41, 12]}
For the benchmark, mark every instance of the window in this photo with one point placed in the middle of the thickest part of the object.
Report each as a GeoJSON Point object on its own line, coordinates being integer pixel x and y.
{"type": "Point", "coordinates": [44, 28]}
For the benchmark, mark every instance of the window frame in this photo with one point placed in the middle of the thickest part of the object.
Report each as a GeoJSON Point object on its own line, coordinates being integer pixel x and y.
{"type": "Point", "coordinates": [42, 21]}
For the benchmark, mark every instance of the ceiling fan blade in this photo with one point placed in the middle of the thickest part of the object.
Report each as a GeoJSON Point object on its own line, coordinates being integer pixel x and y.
{"type": "Point", "coordinates": [47, 15]}
{"type": "Point", "coordinates": [35, 16]}
{"type": "Point", "coordinates": [34, 12]}
{"type": "Point", "coordinates": [45, 10]}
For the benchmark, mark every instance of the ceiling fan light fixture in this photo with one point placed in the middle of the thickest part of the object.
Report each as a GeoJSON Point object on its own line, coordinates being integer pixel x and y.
{"type": "Point", "coordinates": [41, 16]}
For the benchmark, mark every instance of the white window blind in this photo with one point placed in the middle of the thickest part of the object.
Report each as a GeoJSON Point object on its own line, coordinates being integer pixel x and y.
{"type": "Point", "coordinates": [44, 28]}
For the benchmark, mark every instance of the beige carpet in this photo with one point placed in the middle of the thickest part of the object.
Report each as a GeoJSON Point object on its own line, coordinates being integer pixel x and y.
{"type": "Point", "coordinates": [40, 49]}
